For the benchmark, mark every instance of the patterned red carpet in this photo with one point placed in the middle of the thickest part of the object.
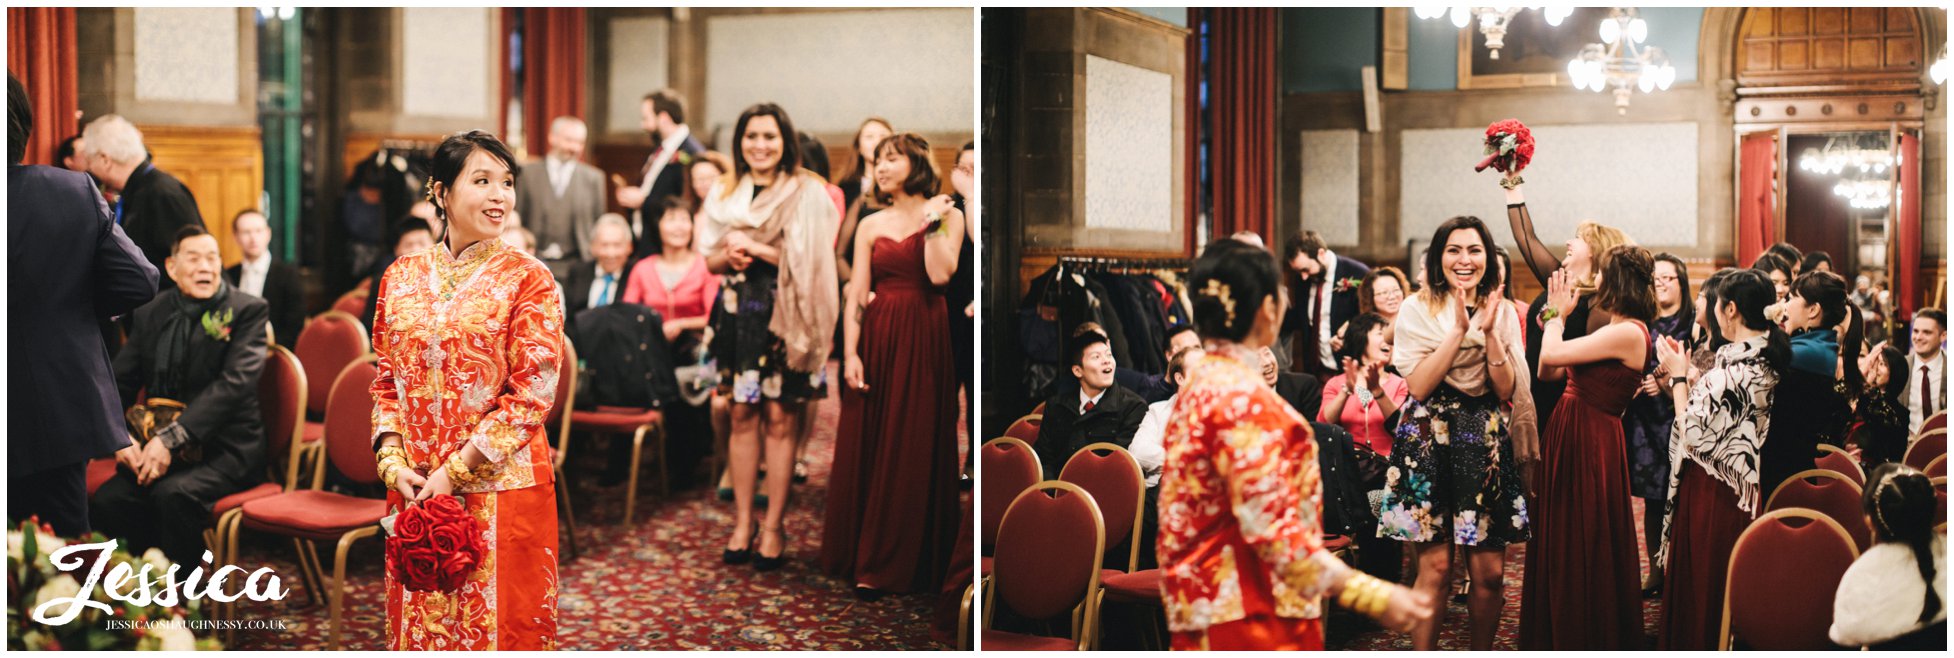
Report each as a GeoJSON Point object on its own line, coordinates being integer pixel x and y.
{"type": "Point", "coordinates": [657, 584]}
{"type": "Point", "coordinates": [1351, 633]}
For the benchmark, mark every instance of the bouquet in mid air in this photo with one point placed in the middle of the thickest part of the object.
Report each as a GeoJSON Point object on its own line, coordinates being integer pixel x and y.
{"type": "Point", "coordinates": [1509, 147]}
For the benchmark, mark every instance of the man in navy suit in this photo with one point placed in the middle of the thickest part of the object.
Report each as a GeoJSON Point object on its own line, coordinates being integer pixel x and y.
{"type": "Point", "coordinates": [1325, 300]}
{"type": "Point", "coordinates": [69, 267]}
{"type": "Point", "coordinates": [663, 116]}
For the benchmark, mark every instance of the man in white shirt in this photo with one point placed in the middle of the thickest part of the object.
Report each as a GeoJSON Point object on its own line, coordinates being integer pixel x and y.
{"type": "Point", "coordinates": [261, 276]}
{"type": "Point", "coordinates": [561, 197]}
{"type": "Point", "coordinates": [662, 114]}
{"type": "Point", "coordinates": [1927, 379]}
{"type": "Point", "coordinates": [1149, 444]}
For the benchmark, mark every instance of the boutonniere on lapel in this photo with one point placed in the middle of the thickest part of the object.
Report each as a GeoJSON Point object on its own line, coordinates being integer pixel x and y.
{"type": "Point", "coordinates": [1348, 284]}
{"type": "Point", "coordinates": [684, 158]}
{"type": "Point", "coordinates": [218, 327]}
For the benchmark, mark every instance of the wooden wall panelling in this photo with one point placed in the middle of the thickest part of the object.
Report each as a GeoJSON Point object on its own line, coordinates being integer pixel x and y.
{"type": "Point", "coordinates": [224, 167]}
{"type": "Point", "coordinates": [1821, 46]}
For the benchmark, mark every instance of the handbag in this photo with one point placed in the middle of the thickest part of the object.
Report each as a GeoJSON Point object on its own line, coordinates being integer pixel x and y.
{"type": "Point", "coordinates": [155, 414]}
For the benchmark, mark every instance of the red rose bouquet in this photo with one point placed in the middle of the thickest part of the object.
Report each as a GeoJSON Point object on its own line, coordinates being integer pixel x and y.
{"type": "Point", "coordinates": [435, 545]}
{"type": "Point", "coordinates": [1509, 148]}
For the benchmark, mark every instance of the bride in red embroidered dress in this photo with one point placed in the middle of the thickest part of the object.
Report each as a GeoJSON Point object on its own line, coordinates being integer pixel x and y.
{"type": "Point", "coordinates": [1241, 537]}
{"type": "Point", "coordinates": [468, 334]}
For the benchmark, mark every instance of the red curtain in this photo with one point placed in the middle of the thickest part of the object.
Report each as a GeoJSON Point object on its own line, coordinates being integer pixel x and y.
{"type": "Point", "coordinates": [1906, 213]}
{"type": "Point", "coordinates": [1242, 106]}
{"type": "Point", "coordinates": [1757, 196]}
{"type": "Point", "coordinates": [554, 57]}
{"type": "Point", "coordinates": [41, 53]}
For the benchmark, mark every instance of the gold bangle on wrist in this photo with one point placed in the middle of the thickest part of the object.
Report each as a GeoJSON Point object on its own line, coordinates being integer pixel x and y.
{"type": "Point", "coordinates": [460, 474]}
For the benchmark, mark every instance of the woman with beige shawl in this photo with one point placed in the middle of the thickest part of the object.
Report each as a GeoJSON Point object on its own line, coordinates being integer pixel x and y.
{"type": "Point", "coordinates": [769, 227]}
{"type": "Point", "coordinates": [1454, 478]}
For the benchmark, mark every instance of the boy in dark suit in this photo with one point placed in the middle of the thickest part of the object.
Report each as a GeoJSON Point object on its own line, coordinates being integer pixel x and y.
{"type": "Point", "coordinates": [202, 345]}
{"type": "Point", "coordinates": [1093, 410]}
{"type": "Point", "coordinates": [267, 278]}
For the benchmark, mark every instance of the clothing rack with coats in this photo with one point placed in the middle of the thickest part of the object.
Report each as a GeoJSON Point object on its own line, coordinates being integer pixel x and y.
{"type": "Point", "coordinates": [1136, 301]}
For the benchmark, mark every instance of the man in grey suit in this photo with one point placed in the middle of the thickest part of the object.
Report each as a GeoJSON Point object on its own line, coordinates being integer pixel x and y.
{"type": "Point", "coordinates": [561, 205]}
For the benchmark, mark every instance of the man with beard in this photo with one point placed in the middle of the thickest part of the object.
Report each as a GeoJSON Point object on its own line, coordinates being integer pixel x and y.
{"type": "Point", "coordinates": [202, 346]}
{"type": "Point", "coordinates": [662, 114]}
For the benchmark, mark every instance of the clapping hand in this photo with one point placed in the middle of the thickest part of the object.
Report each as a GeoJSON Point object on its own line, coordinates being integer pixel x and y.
{"type": "Point", "coordinates": [1353, 374]}
{"type": "Point", "coordinates": [1489, 309]}
{"type": "Point", "coordinates": [1560, 292]}
{"type": "Point", "coordinates": [1670, 356]}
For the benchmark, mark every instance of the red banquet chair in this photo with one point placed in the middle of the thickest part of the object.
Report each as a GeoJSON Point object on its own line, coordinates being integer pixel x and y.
{"type": "Point", "coordinates": [1940, 493]}
{"type": "Point", "coordinates": [99, 472]}
{"type": "Point", "coordinates": [639, 423]}
{"type": "Point", "coordinates": [1925, 448]}
{"type": "Point", "coordinates": [1119, 486]}
{"type": "Point", "coordinates": [312, 515]}
{"type": "Point", "coordinates": [1784, 572]}
{"type": "Point", "coordinates": [559, 419]}
{"type": "Point", "coordinates": [281, 403]}
{"type": "Point", "coordinates": [1026, 429]}
{"type": "Point", "coordinates": [1934, 422]}
{"type": "Point", "coordinates": [1936, 468]}
{"type": "Point", "coordinates": [1008, 467]}
{"type": "Point", "coordinates": [1833, 459]}
{"type": "Point", "coordinates": [1049, 550]}
{"type": "Point", "coordinates": [352, 303]}
{"type": "Point", "coordinates": [1113, 477]}
{"type": "Point", "coordinates": [1834, 495]}
{"type": "Point", "coordinates": [329, 342]}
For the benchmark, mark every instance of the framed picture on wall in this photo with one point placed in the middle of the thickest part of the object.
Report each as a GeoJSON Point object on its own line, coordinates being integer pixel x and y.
{"type": "Point", "coordinates": [1535, 54]}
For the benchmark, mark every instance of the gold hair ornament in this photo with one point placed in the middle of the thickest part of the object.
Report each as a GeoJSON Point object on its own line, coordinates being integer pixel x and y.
{"type": "Point", "coordinates": [1220, 291]}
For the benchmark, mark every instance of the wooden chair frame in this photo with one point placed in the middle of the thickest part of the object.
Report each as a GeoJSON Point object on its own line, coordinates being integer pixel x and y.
{"type": "Point", "coordinates": [1085, 617]}
{"type": "Point", "coordinates": [1139, 507]}
{"type": "Point", "coordinates": [566, 371]}
{"type": "Point", "coordinates": [1942, 460]}
{"type": "Point", "coordinates": [1724, 639]}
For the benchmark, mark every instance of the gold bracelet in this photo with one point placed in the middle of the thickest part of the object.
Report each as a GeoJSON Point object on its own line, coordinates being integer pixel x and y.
{"type": "Point", "coordinates": [1352, 587]}
{"type": "Point", "coordinates": [390, 473]}
{"type": "Point", "coordinates": [384, 453]}
{"type": "Point", "coordinates": [460, 474]}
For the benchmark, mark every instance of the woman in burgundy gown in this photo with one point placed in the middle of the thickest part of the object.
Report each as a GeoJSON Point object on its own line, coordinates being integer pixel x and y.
{"type": "Point", "coordinates": [1582, 586]}
{"type": "Point", "coordinates": [892, 509]}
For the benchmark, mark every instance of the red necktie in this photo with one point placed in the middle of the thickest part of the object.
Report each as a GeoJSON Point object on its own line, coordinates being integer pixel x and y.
{"type": "Point", "coordinates": [1088, 407]}
{"type": "Point", "coordinates": [1926, 394]}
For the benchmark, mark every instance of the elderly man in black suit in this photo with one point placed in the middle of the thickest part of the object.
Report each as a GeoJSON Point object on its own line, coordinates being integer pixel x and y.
{"type": "Point", "coordinates": [152, 204]}
{"type": "Point", "coordinates": [267, 278]}
{"type": "Point", "coordinates": [69, 267]}
{"type": "Point", "coordinates": [600, 281]}
{"type": "Point", "coordinates": [663, 115]}
{"type": "Point", "coordinates": [201, 345]}
{"type": "Point", "coordinates": [1325, 300]}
